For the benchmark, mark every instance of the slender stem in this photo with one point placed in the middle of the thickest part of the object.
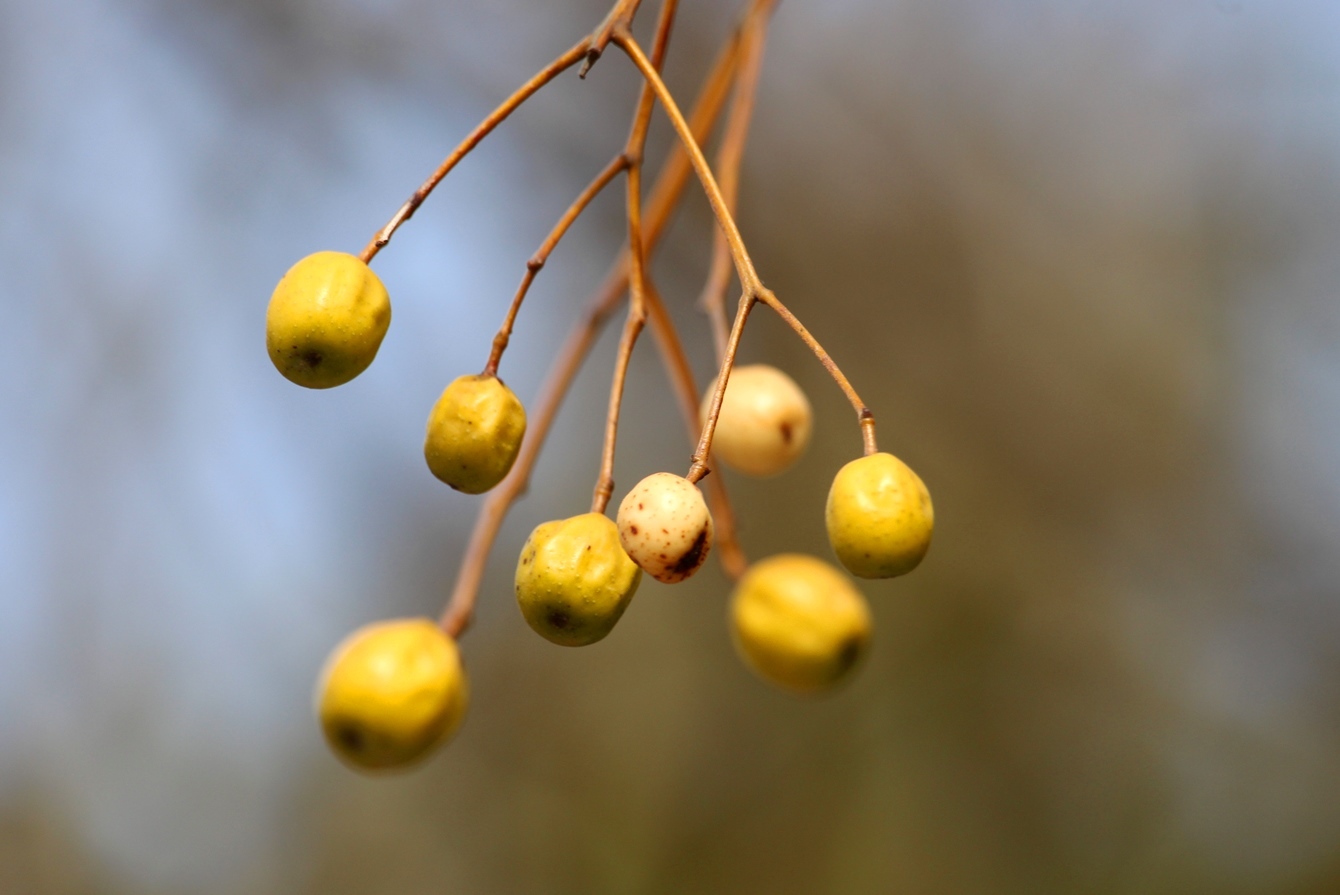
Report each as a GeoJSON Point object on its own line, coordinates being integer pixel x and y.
{"type": "Point", "coordinates": [698, 463]}
{"type": "Point", "coordinates": [863, 413]}
{"type": "Point", "coordinates": [663, 200]}
{"type": "Point", "coordinates": [637, 317]}
{"type": "Point", "coordinates": [712, 301]}
{"type": "Point", "coordinates": [744, 266]}
{"type": "Point", "coordinates": [754, 290]}
{"type": "Point", "coordinates": [482, 130]}
{"type": "Point", "coordinates": [621, 15]}
{"type": "Point", "coordinates": [541, 256]}
{"type": "Point", "coordinates": [637, 272]}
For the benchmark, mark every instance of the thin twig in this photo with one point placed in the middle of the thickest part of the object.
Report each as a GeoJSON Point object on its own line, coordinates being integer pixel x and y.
{"type": "Point", "coordinates": [735, 135]}
{"type": "Point", "coordinates": [754, 290]}
{"type": "Point", "coordinates": [744, 266]}
{"type": "Point", "coordinates": [637, 268]}
{"type": "Point", "coordinates": [621, 15]}
{"type": "Point", "coordinates": [541, 256]}
{"type": "Point", "coordinates": [484, 128]}
{"type": "Point", "coordinates": [863, 413]}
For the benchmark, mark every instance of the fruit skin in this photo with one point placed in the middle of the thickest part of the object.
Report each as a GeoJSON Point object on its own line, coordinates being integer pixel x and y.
{"type": "Point", "coordinates": [391, 693]}
{"type": "Point", "coordinates": [474, 433]}
{"type": "Point", "coordinates": [573, 580]}
{"type": "Point", "coordinates": [765, 421]}
{"type": "Point", "coordinates": [798, 622]}
{"type": "Point", "coordinates": [879, 517]}
{"type": "Point", "coordinates": [326, 320]}
{"type": "Point", "coordinates": [665, 527]}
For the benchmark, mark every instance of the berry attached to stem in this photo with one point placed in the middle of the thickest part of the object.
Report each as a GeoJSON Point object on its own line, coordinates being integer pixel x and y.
{"type": "Point", "coordinates": [879, 517]}
{"type": "Point", "coordinates": [391, 693]}
{"type": "Point", "coordinates": [798, 622]}
{"type": "Point", "coordinates": [474, 433]}
{"type": "Point", "coordinates": [765, 420]}
{"type": "Point", "coordinates": [665, 527]}
{"type": "Point", "coordinates": [574, 581]}
{"type": "Point", "coordinates": [326, 320]}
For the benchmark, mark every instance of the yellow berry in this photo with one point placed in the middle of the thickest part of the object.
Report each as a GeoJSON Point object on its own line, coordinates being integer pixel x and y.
{"type": "Point", "coordinates": [765, 420]}
{"type": "Point", "coordinates": [879, 517]}
{"type": "Point", "coordinates": [573, 580]}
{"type": "Point", "coordinates": [665, 527]}
{"type": "Point", "coordinates": [326, 320]}
{"type": "Point", "coordinates": [798, 622]}
{"type": "Point", "coordinates": [474, 433]}
{"type": "Point", "coordinates": [391, 693]}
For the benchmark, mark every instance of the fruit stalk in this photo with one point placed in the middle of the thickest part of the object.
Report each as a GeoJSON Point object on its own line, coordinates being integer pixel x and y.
{"type": "Point", "coordinates": [712, 301]}
{"type": "Point", "coordinates": [541, 256]}
{"type": "Point", "coordinates": [637, 268]}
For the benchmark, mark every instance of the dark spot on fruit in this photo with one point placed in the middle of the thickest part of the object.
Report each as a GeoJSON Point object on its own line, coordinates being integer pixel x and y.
{"type": "Point", "coordinates": [350, 737]}
{"type": "Point", "coordinates": [694, 557]}
{"type": "Point", "coordinates": [639, 506]}
{"type": "Point", "coordinates": [787, 434]}
{"type": "Point", "coordinates": [558, 619]}
{"type": "Point", "coordinates": [633, 529]}
{"type": "Point", "coordinates": [311, 357]}
{"type": "Point", "coordinates": [847, 656]}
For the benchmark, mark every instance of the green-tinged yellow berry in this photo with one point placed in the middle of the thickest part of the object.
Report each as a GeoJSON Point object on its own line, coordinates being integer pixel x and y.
{"type": "Point", "coordinates": [765, 420]}
{"type": "Point", "coordinates": [573, 580]}
{"type": "Point", "coordinates": [474, 433]}
{"type": "Point", "coordinates": [879, 517]}
{"type": "Point", "coordinates": [326, 320]}
{"type": "Point", "coordinates": [391, 693]}
{"type": "Point", "coordinates": [665, 527]}
{"type": "Point", "coordinates": [799, 622]}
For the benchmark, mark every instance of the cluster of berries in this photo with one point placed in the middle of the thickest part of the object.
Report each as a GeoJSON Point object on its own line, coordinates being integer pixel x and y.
{"type": "Point", "coordinates": [395, 690]}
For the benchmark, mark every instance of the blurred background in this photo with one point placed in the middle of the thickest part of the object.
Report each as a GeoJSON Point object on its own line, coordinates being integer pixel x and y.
{"type": "Point", "coordinates": [1080, 257]}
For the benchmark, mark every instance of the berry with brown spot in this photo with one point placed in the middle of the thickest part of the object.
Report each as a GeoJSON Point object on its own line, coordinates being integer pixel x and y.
{"type": "Point", "coordinates": [665, 527]}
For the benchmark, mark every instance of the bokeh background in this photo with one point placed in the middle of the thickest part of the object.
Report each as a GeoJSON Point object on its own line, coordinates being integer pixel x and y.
{"type": "Point", "coordinates": [1081, 257]}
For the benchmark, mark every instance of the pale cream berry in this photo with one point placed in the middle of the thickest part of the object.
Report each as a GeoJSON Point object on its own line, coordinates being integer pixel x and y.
{"type": "Point", "coordinates": [665, 527]}
{"type": "Point", "coordinates": [879, 517]}
{"type": "Point", "coordinates": [799, 623]}
{"type": "Point", "coordinates": [765, 421]}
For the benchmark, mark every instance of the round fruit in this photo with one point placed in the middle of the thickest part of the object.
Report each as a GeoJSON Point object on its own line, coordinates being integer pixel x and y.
{"type": "Point", "coordinates": [764, 424]}
{"type": "Point", "coordinates": [798, 622]}
{"type": "Point", "coordinates": [326, 320]}
{"type": "Point", "coordinates": [573, 580]}
{"type": "Point", "coordinates": [474, 433]}
{"type": "Point", "coordinates": [665, 527]}
{"type": "Point", "coordinates": [391, 693]}
{"type": "Point", "coordinates": [879, 517]}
